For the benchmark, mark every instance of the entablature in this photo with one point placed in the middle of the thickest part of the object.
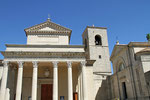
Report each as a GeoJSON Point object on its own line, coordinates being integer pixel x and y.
{"type": "Point", "coordinates": [10, 54]}
{"type": "Point", "coordinates": [45, 48]}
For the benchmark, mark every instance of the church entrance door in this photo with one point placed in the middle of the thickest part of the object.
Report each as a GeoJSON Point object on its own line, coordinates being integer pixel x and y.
{"type": "Point", "coordinates": [46, 91]}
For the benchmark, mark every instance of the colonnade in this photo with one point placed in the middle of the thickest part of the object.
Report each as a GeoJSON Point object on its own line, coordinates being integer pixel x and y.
{"type": "Point", "coordinates": [35, 78]}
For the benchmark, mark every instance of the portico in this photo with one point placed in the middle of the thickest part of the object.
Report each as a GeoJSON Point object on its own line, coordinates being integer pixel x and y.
{"type": "Point", "coordinates": [55, 65]}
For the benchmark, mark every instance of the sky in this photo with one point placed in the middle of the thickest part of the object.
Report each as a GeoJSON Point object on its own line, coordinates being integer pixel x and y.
{"type": "Point", "coordinates": [126, 20]}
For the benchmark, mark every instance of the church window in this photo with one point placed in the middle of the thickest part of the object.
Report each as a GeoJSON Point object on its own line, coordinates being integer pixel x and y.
{"type": "Point", "coordinates": [98, 40]}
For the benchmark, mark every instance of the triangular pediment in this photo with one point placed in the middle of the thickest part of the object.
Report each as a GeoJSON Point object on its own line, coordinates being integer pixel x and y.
{"type": "Point", "coordinates": [47, 27]}
{"type": "Point", "coordinates": [116, 50]}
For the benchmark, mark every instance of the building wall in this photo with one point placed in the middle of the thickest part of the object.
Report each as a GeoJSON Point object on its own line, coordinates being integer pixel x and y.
{"type": "Point", "coordinates": [1, 73]}
{"type": "Point", "coordinates": [89, 83]}
{"type": "Point", "coordinates": [46, 49]}
{"type": "Point", "coordinates": [147, 77]}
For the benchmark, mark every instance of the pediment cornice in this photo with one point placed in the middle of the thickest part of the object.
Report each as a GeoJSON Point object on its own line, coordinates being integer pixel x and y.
{"type": "Point", "coordinates": [48, 32]}
{"type": "Point", "coordinates": [55, 28]}
{"type": "Point", "coordinates": [116, 50]}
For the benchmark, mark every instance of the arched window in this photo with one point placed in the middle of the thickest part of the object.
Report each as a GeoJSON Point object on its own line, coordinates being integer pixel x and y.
{"type": "Point", "coordinates": [98, 40]}
{"type": "Point", "coordinates": [121, 66]}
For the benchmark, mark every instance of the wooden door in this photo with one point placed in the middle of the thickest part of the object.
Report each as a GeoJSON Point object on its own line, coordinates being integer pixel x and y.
{"type": "Point", "coordinates": [46, 92]}
{"type": "Point", "coordinates": [75, 96]}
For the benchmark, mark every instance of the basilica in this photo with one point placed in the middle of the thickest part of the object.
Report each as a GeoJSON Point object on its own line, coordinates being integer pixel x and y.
{"type": "Point", "coordinates": [47, 67]}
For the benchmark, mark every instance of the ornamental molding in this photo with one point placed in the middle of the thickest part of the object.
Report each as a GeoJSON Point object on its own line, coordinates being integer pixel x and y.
{"type": "Point", "coordinates": [45, 46]}
{"type": "Point", "coordinates": [48, 32]}
{"type": "Point", "coordinates": [8, 54]}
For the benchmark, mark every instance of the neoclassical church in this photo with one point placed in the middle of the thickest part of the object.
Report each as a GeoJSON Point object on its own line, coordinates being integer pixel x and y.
{"type": "Point", "coordinates": [49, 68]}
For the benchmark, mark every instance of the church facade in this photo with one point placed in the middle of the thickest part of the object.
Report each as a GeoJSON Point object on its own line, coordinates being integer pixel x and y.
{"type": "Point", "coordinates": [49, 68]}
{"type": "Point", "coordinates": [131, 71]}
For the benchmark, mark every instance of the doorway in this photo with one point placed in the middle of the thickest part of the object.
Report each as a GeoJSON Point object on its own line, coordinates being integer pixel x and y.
{"type": "Point", "coordinates": [46, 91]}
{"type": "Point", "coordinates": [75, 96]}
{"type": "Point", "coordinates": [124, 90]}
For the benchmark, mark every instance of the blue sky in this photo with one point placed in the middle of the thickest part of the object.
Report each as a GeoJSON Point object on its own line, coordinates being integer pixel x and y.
{"type": "Point", "coordinates": [129, 20]}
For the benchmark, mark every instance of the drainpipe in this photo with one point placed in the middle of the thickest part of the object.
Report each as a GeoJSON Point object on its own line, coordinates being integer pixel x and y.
{"type": "Point", "coordinates": [132, 72]}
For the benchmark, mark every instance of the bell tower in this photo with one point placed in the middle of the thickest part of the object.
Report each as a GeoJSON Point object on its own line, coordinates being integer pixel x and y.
{"type": "Point", "coordinates": [96, 48]}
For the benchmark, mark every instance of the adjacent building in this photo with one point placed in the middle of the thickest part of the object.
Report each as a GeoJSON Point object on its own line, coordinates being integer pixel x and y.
{"type": "Point", "coordinates": [131, 71]}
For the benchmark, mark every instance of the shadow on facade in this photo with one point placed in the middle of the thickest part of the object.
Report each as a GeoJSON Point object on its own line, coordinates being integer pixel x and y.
{"type": "Point", "coordinates": [104, 91]}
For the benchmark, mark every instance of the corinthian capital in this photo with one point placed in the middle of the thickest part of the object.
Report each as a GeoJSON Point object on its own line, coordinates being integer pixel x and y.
{"type": "Point", "coordinates": [55, 64]}
{"type": "Point", "coordinates": [35, 64]}
{"type": "Point", "coordinates": [83, 63]}
{"type": "Point", "coordinates": [5, 63]}
{"type": "Point", "coordinates": [20, 63]}
{"type": "Point", "coordinates": [69, 63]}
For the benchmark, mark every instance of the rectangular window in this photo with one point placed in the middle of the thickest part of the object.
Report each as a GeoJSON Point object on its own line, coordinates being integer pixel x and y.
{"type": "Point", "coordinates": [100, 57]}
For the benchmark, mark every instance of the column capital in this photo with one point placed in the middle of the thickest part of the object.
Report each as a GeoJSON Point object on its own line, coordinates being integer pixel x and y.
{"type": "Point", "coordinates": [55, 64]}
{"type": "Point", "coordinates": [35, 64]}
{"type": "Point", "coordinates": [5, 63]}
{"type": "Point", "coordinates": [83, 63]}
{"type": "Point", "coordinates": [69, 63]}
{"type": "Point", "coordinates": [20, 63]}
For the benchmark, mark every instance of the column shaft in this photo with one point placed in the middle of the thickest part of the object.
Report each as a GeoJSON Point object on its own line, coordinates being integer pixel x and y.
{"type": "Point", "coordinates": [85, 96]}
{"type": "Point", "coordinates": [34, 81]}
{"type": "Point", "coordinates": [19, 81]}
{"type": "Point", "coordinates": [4, 80]}
{"type": "Point", "coordinates": [55, 81]}
{"type": "Point", "coordinates": [70, 86]}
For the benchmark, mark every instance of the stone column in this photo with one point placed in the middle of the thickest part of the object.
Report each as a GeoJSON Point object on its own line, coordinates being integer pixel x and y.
{"type": "Point", "coordinates": [4, 80]}
{"type": "Point", "coordinates": [19, 81]}
{"type": "Point", "coordinates": [84, 80]}
{"type": "Point", "coordinates": [55, 80]}
{"type": "Point", "coordinates": [70, 86]}
{"type": "Point", "coordinates": [34, 81]}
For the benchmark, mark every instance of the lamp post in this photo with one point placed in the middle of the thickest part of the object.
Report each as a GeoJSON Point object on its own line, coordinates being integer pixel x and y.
{"type": "Point", "coordinates": [46, 73]}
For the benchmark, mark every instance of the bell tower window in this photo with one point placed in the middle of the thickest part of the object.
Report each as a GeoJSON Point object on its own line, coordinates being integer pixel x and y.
{"type": "Point", "coordinates": [98, 40]}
